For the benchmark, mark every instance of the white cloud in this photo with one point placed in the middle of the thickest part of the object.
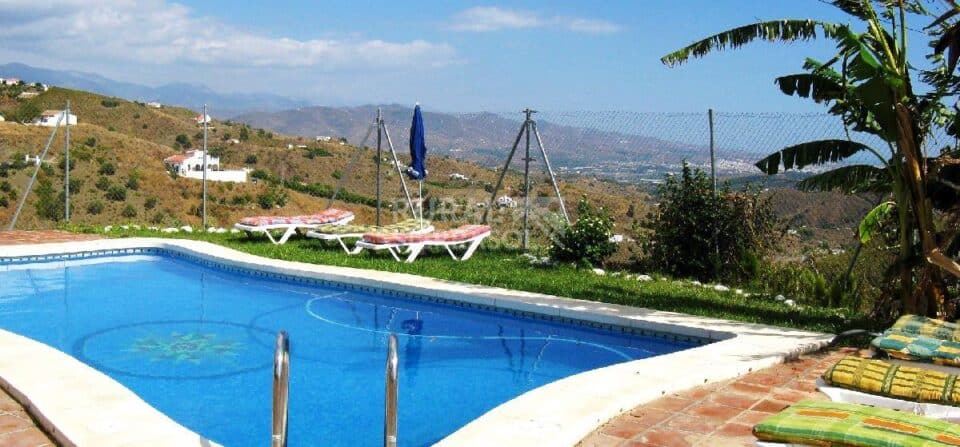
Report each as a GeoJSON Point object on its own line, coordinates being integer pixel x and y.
{"type": "Point", "coordinates": [158, 32]}
{"type": "Point", "coordinates": [491, 18]}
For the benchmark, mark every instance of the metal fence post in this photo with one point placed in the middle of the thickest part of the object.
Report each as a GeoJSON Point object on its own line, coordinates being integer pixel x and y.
{"type": "Point", "coordinates": [713, 156]}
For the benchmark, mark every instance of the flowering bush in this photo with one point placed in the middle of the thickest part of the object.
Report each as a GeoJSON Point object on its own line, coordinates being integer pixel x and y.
{"type": "Point", "coordinates": [586, 242]}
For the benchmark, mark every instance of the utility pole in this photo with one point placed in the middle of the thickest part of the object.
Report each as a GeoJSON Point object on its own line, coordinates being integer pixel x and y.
{"type": "Point", "coordinates": [66, 181]}
{"type": "Point", "coordinates": [204, 118]}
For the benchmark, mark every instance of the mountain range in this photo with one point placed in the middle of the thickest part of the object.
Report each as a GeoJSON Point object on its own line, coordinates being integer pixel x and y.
{"type": "Point", "coordinates": [483, 137]}
{"type": "Point", "coordinates": [178, 94]}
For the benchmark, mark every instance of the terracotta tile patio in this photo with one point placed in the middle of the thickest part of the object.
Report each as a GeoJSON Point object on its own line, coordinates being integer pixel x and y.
{"type": "Point", "coordinates": [17, 428]}
{"type": "Point", "coordinates": [40, 237]}
{"type": "Point", "coordinates": [717, 415]}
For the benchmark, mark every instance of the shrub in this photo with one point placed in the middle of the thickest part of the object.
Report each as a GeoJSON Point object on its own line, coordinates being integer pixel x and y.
{"type": "Point", "coordinates": [4, 202]}
{"type": "Point", "coordinates": [62, 164]}
{"type": "Point", "coordinates": [273, 197]}
{"type": "Point", "coordinates": [103, 183]}
{"type": "Point", "coordinates": [250, 160]}
{"type": "Point", "coordinates": [314, 152]}
{"type": "Point", "coordinates": [587, 241]}
{"type": "Point", "coordinates": [75, 186]}
{"type": "Point", "coordinates": [5, 186]}
{"type": "Point", "coordinates": [150, 203]}
{"type": "Point", "coordinates": [129, 211]}
{"type": "Point", "coordinates": [109, 103]}
{"type": "Point", "coordinates": [90, 142]}
{"type": "Point", "coordinates": [244, 134]}
{"type": "Point", "coordinates": [699, 233]}
{"type": "Point", "coordinates": [337, 174]}
{"type": "Point", "coordinates": [49, 204]}
{"type": "Point", "coordinates": [144, 126]}
{"type": "Point", "coordinates": [95, 207]}
{"type": "Point", "coordinates": [133, 183]}
{"type": "Point", "coordinates": [107, 168]}
{"type": "Point", "coordinates": [117, 193]}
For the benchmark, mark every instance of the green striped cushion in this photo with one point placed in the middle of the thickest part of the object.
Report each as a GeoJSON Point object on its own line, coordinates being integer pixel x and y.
{"type": "Point", "coordinates": [895, 381]}
{"type": "Point", "coordinates": [405, 226]}
{"type": "Point", "coordinates": [810, 422]}
{"type": "Point", "coordinates": [908, 346]}
{"type": "Point", "coordinates": [928, 327]}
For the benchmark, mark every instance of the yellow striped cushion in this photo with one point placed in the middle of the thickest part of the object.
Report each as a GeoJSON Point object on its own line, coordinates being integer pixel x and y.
{"type": "Point", "coordinates": [896, 381]}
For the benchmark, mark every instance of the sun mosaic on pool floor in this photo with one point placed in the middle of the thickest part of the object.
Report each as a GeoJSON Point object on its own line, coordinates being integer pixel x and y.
{"type": "Point", "coordinates": [192, 347]}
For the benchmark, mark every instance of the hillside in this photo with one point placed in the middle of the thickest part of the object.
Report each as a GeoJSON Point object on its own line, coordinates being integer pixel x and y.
{"type": "Point", "coordinates": [135, 138]}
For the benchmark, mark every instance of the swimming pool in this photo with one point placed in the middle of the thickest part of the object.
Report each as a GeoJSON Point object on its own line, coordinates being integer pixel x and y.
{"type": "Point", "coordinates": [196, 342]}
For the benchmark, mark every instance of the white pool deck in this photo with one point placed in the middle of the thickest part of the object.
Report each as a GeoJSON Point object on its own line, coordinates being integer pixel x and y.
{"type": "Point", "coordinates": [80, 406]}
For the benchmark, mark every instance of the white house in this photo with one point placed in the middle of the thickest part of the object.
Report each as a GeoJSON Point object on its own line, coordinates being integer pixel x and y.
{"type": "Point", "coordinates": [154, 104]}
{"type": "Point", "coordinates": [202, 118]}
{"type": "Point", "coordinates": [190, 165]}
{"type": "Point", "coordinates": [324, 138]}
{"type": "Point", "coordinates": [506, 202]}
{"type": "Point", "coordinates": [191, 161]}
{"type": "Point", "coordinates": [11, 81]}
{"type": "Point", "coordinates": [49, 118]}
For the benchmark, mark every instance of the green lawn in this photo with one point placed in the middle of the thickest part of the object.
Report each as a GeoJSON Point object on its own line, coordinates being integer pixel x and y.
{"type": "Point", "coordinates": [506, 268]}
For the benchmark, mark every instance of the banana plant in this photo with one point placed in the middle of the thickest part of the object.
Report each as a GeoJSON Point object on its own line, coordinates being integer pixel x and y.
{"type": "Point", "coordinates": [867, 84]}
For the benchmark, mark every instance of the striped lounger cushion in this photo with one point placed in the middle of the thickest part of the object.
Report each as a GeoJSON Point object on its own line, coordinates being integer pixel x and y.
{"type": "Point", "coordinates": [323, 217]}
{"type": "Point", "coordinates": [405, 226]}
{"type": "Point", "coordinates": [463, 233]}
{"type": "Point", "coordinates": [907, 346]}
{"type": "Point", "coordinates": [928, 327]}
{"type": "Point", "coordinates": [894, 381]}
{"type": "Point", "coordinates": [822, 423]}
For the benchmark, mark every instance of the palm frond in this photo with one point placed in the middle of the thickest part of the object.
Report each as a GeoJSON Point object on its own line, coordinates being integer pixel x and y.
{"type": "Point", "coordinates": [810, 153]}
{"type": "Point", "coordinates": [785, 30]}
{"type": "Point", "coordinates": [872, 222]}
{"type": "Point", "coordinates": [855, 8]}
{"type": "Point", "coordinates": [849, 179]}
{"type": "Point", "coordinates": [818, 87]}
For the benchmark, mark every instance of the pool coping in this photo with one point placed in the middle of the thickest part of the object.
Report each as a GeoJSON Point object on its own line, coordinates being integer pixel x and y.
{"type": "Point", "coordinates": [559, 413]}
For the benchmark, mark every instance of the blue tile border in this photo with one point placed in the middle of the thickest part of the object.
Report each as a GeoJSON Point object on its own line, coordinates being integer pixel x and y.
{"type": "Point", "coordinates": [297, 279]}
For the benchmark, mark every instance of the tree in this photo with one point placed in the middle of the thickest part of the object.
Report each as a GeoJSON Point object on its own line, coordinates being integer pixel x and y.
{"type": "Point", "coordinates": [26, 113]}
{"type": "Point", "coordinates": [183, 141]}
{"type": "Point", "coordinates": [244, 134]}
{"type": "Point", "coordinates": [868, 84]}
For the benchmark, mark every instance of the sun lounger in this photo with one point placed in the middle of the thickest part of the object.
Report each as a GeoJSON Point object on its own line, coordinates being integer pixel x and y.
{"type": "Point", "coordinates": [341, 233]}
{"type": "Point", "coordinates": [412, 244]}
{"type": "Point", "coordinates": [812, 422]}
{"type": "Point", "coordinates": [879, 383]}
{"type": "Point", "coordinates": [291, 224]}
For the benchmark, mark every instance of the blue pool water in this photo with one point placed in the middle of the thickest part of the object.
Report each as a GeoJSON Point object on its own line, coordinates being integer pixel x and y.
{"type": "Point", "coordinates": [197, 343]}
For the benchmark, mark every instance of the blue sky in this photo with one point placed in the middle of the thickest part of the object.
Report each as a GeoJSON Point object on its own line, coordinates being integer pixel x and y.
{"type": "Point", "coordinates": [451, 56]}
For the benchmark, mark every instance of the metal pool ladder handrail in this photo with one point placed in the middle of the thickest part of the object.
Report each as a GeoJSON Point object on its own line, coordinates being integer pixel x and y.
{"type": "Point", "coordinates": [281, 390]}
{"type": "Point", "coordinates": [390, 404]}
